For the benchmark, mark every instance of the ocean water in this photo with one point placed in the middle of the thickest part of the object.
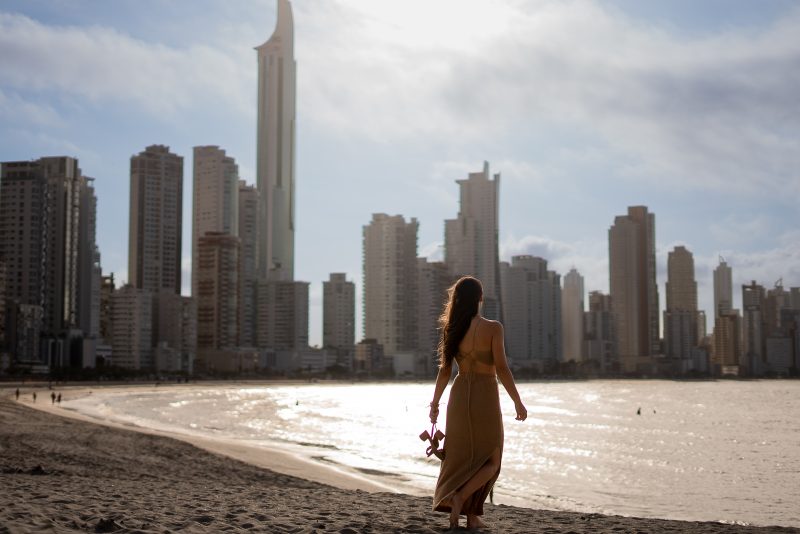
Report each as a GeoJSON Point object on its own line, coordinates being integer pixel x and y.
{"type": "Point", "coordinates": [723, 451]}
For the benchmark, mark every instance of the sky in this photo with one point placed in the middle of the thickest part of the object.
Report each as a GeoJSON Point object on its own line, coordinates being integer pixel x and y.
{"type": "Point", "coordinates": [584, 107]}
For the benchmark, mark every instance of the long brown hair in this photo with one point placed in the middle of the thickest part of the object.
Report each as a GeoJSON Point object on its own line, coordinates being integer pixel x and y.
{"type": "Point", "coordinates": [463, 302]}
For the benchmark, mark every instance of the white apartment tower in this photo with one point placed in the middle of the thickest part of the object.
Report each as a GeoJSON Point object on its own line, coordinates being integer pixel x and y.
{"type": "Point", "coordinates": [156, 220]}
{"type": "Point", "coordinates": [634, 293]}
{"type": "Point", "coordinates": [215, 197]}
{"type": "Point", "coordinates": [723, 288]}
{"type": "Point", "coordinates": [275, 149]}
{"type": "Point", "coordinates": [471, 239]}
{"type": "Point", "coordinates": [390, 261]}
{"type": "Point", "coordinates": [572, 308]}
{"type": "Point", "coordinates": [338, 312]}
{"type": "Point", "coordinates": [532, 310]}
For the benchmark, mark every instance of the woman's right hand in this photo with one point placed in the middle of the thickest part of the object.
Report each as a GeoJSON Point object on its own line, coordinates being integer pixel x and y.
{"type": "Point", "coordinates": [522, 412]}
{"type": "Point", "coordinates": [434, 413]}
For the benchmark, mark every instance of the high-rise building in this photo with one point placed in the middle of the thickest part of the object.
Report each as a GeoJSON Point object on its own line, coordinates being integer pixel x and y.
{"type": "Point", "coordinates": [681, 318]}
{"type": "Point", "coordinates": [433, 280]}
{"type": "Point", "coordinates": [89, 273]}
{"type": "Point", "coordinates": [40, 218]}
{"type": "Point", "coordinates": [3, 339]}
{"type": "Point", "coordinates": [215, 197]}
{"type": "Point", "coordinates": [132, 323]}
{"type": "Point", "coordinates": [217, 292]}
{"type": "Point", "coordinates": [471, 240]}
{"type": "Point", "coordinates": [723, 288]}
{"type": "Point", "coordinates": [599, 333]}
{"type": "Point", "coordinates": [23, 186]}
{"type": "Point", "coordinates": [275, 149]}
{"type": "Point", "coordinates": [47, 218]}
{"type": "Point", "coordinates": [107, 288]}
{"type": "Point", "coordinates": [369, 357]}
{"type": "Point", "coordinates": [776, 300]}
{"type": "Point", "coordinates": [282, 315]}
{"type": "Point", "coordinates": [572, 309]}
{"type": "Point", "coordinates": [24, 328]}
{"type": "Point", "coordinates": [794, 298]}
{"type": "Point", "coordinates": [634, 293]}
{"type": "Point", "coordinates": [174, 332]}
{"type": "Point", "coordinates": [248, 256]}
{"type": "Point", "coordinates": [156, 214]}
{"type": "Point", "coordinates": [532, 310]}
{"type": "Point", "coordinates": [338, 313]}
{"type": "Point", "coordinates": [727, 345]}
{"type": "Point", "coordinates": [753, 328]}
{"type": "Point", "coordinates": [390, 262]}
{"type": "Point", "coordinates": [89, 270]}
{"type": "Point", "coordinates": [681, 285]}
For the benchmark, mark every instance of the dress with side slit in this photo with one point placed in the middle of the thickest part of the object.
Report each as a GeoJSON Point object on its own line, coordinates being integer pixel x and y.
{"type": "Point", "coordinates": [474, 431]}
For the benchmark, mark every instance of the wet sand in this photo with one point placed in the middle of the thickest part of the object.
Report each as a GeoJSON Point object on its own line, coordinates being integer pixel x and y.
{"type": "Point", "coordinates": [61, 474]}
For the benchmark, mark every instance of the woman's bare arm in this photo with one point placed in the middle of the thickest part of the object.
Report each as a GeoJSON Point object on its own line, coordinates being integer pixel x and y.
{"type": "Point", "coordinates": [442, 378]}
{"type": "Point", "coordinates": [503, 371]}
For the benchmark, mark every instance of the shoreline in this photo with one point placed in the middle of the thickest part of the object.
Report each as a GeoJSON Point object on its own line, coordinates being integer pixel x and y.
{"type": "Point", "coordinates": [76, 475]}
{"type": "Point", "coordinates": [264, 456]}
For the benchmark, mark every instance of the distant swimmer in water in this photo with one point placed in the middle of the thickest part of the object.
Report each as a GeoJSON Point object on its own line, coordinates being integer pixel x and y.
{"type": "Point", "coordinates": [639, 411]}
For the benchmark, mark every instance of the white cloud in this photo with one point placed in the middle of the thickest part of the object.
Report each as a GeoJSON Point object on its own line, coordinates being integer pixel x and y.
{"type": "Point", "coordinates": [711, 113]}
{"type": "Point", "coordinates": [708, 113]}
{"type": "Point", "coordinates": [103, 64]}
{"type": "Point", "coordinates": [16, 110]}
{"type": "Point", "coordinates": [432, 251]}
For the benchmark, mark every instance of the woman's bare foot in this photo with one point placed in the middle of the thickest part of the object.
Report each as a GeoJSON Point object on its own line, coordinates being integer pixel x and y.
{"type": "Point", "coordinates": [456, 502]}
{"type": "Point", "coordinates": [473, 521]}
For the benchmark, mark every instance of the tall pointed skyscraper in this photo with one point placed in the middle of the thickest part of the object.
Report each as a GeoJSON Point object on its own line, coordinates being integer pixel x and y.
{"type": "Point", "coordinates": [275, 159]}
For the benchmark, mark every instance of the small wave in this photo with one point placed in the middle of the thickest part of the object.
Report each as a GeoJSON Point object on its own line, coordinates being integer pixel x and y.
{"type": "Point", "coordinates": [378, 472]}
{"type": "Point", "coordinates": [318, 445]}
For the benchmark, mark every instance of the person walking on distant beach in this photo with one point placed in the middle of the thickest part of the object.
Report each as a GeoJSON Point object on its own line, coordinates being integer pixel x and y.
{"type": "Point", "coordinates": [473, 443]}
{"type": "Point", "coordinates": [34, 396]}
{"type": "Point", "coordinates": [58, 399]}
{"type": "Point", "coordinates": [53, 398]}
{"type": "Point", "coordinates": [17, 394]}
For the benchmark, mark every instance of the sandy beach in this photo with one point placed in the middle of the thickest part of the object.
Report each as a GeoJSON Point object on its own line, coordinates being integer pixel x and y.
{"type": "Point", "coordinates": [61, 474]}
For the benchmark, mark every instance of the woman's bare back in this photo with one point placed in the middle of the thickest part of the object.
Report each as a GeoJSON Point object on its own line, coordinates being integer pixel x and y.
{"type": "Point", "coordinates": [475, 350]}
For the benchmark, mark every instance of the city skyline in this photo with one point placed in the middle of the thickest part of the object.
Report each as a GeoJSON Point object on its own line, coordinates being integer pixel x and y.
{"type": "Point", "coordinates": [710, 207]}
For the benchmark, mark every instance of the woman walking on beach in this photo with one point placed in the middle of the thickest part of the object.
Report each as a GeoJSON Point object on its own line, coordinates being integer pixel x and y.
{"type": "Point", "coordinates": [474, 435]}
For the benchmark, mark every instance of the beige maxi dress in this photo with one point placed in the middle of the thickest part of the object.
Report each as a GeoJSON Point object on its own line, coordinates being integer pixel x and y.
{"type": "Point", "coordinates": [474, 431]}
